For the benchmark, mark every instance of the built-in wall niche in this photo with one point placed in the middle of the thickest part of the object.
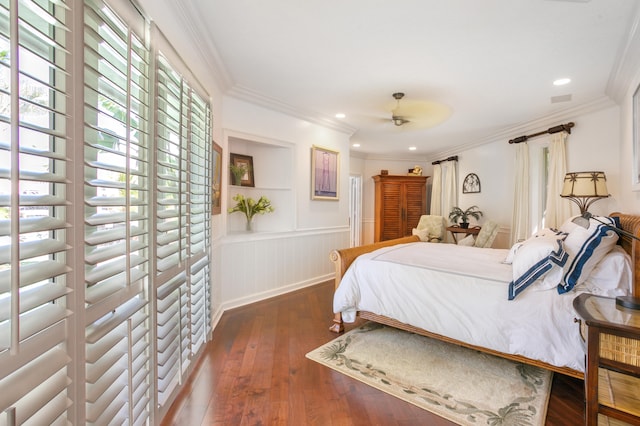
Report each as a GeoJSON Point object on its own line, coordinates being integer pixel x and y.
{"type": "Point", "coordinates": [273, 177]}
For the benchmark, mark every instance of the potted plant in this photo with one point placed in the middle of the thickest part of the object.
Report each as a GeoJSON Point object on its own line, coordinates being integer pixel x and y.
{"type": "Point", "coordinates": [457, 214]}
{"type": "Point", "coordinates": [251, 207]}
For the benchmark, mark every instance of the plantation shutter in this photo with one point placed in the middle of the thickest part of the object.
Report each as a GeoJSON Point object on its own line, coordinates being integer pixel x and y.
{"type": "Point", "coordinates": [182, 226]}
{"type": "Point", "coordinates": [34, 184]}
{"type": "Point", "coordinates": [199, 216]}
{"type": "Point", "coordinates": [117, 218]}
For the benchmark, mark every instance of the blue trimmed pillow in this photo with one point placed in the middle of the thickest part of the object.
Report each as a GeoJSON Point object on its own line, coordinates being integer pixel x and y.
{"type": "Point", "coordinates": [537, 259]}
{"type": "Point", "coordinates": [586, 247]}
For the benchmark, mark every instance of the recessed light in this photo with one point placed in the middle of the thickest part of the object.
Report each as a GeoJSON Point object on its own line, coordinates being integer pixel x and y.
{"type": "Point", "coordinates": [340, 115]}
{"type": "Point", "coordinates": [356, 145]}
{"type": "Point", "coordinates": [412, 148]}
{"type": "Point", "coordinates": [562, 81]}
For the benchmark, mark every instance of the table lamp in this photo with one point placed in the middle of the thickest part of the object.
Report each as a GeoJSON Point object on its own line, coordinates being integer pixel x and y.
{"type": "Point", "coordinates": [584, 188]}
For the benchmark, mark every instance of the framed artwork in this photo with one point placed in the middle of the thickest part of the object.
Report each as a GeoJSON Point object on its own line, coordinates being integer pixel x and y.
{"type": "Point", "coordinates": [241, 168]}
{"type": "Point", "coordinates": [636, 139]}
{"type": "Point", "coordinates": [216, 179]}
{"type": "Point", "coordinates": [471, 184]}
{"type": "Point", "coordinates": [324, 174]}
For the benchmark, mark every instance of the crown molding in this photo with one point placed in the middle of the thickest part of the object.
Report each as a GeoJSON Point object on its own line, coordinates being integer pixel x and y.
{"type": "Point", "coordinates": [192, 23]}
{"type": "Point", "coordinates": [627, 63]}
{"type": "Point", "coordinates": [545, 121]}
{"type": "Point", "coordinates": [251, 96]}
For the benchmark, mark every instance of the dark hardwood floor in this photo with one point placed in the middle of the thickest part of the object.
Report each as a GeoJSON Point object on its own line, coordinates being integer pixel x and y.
{"type": "Point", "coordinates": [254, 372]}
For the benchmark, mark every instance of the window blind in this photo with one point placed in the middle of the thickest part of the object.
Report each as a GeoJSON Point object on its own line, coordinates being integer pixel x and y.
{"type": "Point", "coordinates": [104, 216]}
{"type": "Point", "coordinates": [34, 177]}
{"type": "Point", "coordinates": [183, 226]}
{"type": "Point", "coordinates": [117, 218]}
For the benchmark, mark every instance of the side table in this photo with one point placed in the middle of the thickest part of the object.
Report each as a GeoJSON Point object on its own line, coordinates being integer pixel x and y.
{"type": "Point", "coordinates": [455, 229]}
{"type": "Point", "coordinates": [612, 371]}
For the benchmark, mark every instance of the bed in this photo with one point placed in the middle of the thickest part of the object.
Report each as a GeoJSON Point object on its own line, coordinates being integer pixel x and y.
{"type": "Point", "coordinates": [480, 304]}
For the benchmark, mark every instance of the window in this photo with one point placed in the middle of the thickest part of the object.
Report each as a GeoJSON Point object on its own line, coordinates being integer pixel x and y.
{"type": "Point", "coordinates": [182, 232]}
{"type": "Point", "coordinates": [117, 218]}
{"type": "Point", "coordinates": [33, 211]}
{"type": "Point", "coordinates": [104, 216]}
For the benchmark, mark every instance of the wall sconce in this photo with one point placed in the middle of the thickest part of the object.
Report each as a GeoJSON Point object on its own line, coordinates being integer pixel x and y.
{"type": "Point", "coordinates": [584, 188]}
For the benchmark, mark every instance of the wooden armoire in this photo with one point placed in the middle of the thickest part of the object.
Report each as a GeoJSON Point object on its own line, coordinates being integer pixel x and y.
{"type": "Point", "coordinates": [399, 203]}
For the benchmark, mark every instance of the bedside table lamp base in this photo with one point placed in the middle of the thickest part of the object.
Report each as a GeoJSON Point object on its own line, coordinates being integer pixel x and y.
{"type": "Point", "coordinates": [628, 302]}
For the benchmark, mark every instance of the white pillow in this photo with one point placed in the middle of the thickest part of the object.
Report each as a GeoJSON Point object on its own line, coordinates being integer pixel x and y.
{"type": "Point", "coordinates": [467, 241]}
{"type": "Point", "coordinates": [539, 260]}
{"type": "Point", "coordinates": [512, 252]}
{"type": "Point", "coordinates": [612, 276]}
{"type": "Point", "coordinates": [585, 247]}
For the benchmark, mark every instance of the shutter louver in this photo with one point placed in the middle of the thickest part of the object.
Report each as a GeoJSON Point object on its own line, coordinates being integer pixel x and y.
{"type": "Point", "coordinates": [104, 215]}
{"type": "Point", "coordinates": [117, 210]}
{"type": "Point", "coordinates": [182, 227]}
{"type": "Point", "coordinates": [33, 210]}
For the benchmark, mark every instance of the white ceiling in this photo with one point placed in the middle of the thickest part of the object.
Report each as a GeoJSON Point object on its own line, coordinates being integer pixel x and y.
{"type": "Point", "coordinates": [477, 66]}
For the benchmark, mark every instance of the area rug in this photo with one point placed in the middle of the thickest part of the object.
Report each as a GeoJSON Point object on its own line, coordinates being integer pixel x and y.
{"type": "Point", "coordinates": [462, 385]}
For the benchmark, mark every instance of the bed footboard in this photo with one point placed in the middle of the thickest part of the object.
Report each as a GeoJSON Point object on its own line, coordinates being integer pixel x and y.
{"type": "Point", "coordinates": [343, 258]}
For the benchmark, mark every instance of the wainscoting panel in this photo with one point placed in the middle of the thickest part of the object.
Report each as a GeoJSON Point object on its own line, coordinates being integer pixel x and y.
{"type": "Point", "coordinates": [260, 265]}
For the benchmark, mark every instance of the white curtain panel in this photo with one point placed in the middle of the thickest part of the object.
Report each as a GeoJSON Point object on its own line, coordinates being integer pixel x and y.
{"type": "Point", "coordinates": [521, 202]}
{"type": "Point", "coordinates": [557, 209]}
{"type": "Point", "coordinates": [449, 187]}
{"type": "Point", "coordinates": [450, 192]}
{"type": "Point", "coordinates": [436, 191]}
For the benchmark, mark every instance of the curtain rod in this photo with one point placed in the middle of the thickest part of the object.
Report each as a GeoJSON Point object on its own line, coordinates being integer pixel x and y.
{"type": "Point", "coordinates": [562, 127]}
{"type": "Point", "coordinates": [452, 158]}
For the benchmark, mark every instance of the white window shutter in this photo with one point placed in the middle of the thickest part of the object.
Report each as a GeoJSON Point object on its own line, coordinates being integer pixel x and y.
{"type": "Point", "coordinates": [117, 218]}
{"type": "Point", "coordinates": [34, 183]}
{"type": "Point", "coordinates": [104, 216]}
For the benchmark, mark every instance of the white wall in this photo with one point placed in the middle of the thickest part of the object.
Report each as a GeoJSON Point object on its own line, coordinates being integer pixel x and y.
{"type": "Point", "coordinates": [250, 267]}
{"type": "Point", "coordinates": [594, 144]}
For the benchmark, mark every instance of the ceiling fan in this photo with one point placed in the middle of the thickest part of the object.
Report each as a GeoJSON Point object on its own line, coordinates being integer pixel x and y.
{"type": "Point", "coordinates": [397, 119]}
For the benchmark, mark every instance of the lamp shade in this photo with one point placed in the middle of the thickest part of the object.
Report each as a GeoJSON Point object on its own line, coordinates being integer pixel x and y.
{"type": "Point", "coordinates": [584, 188]}
{"type": "Point", "coordinates": [585, 184]}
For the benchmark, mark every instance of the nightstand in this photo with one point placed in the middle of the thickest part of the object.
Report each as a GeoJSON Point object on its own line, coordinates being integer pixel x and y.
{"type": "Point", "coordinates": [455, 229]}
{"type": "Point", "coordinates": [612, 373]}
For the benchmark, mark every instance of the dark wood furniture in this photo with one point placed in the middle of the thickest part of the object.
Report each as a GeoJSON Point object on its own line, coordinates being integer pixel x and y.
{"type": "Point", "coordinates": [399, 203]}
{"type": "Point", "coordinates": [455, 229]}
{"type": "Point", "coordinates": [612, 374]}
{"type": "Point", "coordinates": [342, 259]}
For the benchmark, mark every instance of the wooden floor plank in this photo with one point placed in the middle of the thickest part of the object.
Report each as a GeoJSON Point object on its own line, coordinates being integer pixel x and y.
{"type": "Point", "coordinates": [254, 372]}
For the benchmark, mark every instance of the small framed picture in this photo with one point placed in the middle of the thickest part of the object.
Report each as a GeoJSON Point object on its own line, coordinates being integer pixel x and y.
{"type": "Point", "coordinates": [241, 168]}
{"type": "Point", "coordinates": [471, 184]}
{"type": "Point", "coordinates": [216, 179]}
{"type": "Point", "coordinates": [324, 174]}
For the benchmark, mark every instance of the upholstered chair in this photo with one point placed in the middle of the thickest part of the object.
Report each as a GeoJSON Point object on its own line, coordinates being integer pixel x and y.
{"type": "Point", "coordinates": [486, 235]}
{"type": "Point", "coordinates": [431, 228]}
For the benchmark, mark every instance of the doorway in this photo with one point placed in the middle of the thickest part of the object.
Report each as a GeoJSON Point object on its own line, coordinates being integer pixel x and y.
{"type": "Point", "coordinates": [355, 210]}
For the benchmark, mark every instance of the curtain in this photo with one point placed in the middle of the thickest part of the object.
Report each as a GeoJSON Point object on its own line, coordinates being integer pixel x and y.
{"type": "Point", "coordinates": [449, 188]}
{"type": "Point", "coordinates": [521, 203]}
{"type": "Point", "coordinates": [557, 209]}
{"type": "Point", "coordinates": [436, 191]}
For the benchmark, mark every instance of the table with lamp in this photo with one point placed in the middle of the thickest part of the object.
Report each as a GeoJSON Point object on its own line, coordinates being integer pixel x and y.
{"type": "Point", "coordinates": [612, 371]}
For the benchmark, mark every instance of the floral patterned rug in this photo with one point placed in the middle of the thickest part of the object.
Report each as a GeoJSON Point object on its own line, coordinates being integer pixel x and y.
{"type": "Point", "coordinates": [462, 385]}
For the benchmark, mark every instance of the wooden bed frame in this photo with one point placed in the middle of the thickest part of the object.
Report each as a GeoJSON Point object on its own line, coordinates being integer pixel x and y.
{"type": "Point", "coordinates": [342, 259]}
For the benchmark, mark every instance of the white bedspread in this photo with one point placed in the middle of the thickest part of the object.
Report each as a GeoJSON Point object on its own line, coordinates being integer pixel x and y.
{"type": "Point", "coordinates": [461, 292]}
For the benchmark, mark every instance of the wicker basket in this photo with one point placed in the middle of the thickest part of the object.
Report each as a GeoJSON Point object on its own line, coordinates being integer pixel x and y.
{"type": "Point", "coordinates": [621, 349]}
